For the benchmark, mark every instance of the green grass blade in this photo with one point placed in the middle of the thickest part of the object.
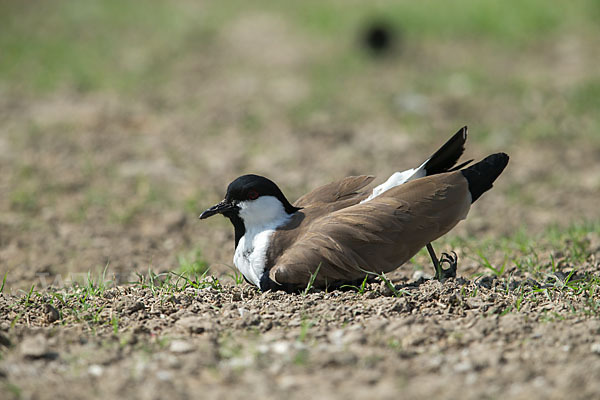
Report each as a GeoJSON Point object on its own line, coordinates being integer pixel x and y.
{"type": "Point", "coordinates": [3, 282]}
{"type": "Point", "coordinates": [311, 280]}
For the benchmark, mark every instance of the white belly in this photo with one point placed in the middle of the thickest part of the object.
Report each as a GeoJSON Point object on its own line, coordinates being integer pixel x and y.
{"type": "Point", "coordinates": [251, 255]}
{"type": "Point", "coordinates": [261, 217]}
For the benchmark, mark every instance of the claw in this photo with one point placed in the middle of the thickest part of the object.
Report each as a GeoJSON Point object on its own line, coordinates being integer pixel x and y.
{"type": "Point", "coordinates": [452, 261]}
{"type": "Point", "coordinates": [442, 274]}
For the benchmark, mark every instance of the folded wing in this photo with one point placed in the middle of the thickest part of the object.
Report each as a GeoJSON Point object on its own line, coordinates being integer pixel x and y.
{"type": "Point", "coordinates": [349, 188]}
{"type": "Point", "coordinates": [376, 236]}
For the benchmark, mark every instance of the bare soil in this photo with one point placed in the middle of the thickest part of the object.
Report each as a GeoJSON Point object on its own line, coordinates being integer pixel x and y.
{"type": "Point", "coordinates": [450, 340]}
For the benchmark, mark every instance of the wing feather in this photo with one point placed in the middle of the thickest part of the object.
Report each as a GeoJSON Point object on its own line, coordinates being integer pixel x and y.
{"type": "Point", "coordinates": [335, 191]}
{"type": "Point", "coordinates": [376, 236]}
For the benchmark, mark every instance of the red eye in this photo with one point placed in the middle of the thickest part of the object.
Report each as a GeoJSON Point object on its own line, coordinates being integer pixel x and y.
{"type": "Point", "coordinates": [252, 195]}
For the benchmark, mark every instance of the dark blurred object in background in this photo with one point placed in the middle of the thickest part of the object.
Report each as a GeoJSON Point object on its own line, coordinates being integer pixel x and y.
{"type": "Point", "coordinates": [379, 37]}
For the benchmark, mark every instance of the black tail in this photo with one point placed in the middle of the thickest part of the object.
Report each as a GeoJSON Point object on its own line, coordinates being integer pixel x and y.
{"type": "Point", "coordinates": [447, 155]}
{"type": "Point", "coordinates": [481, 175]}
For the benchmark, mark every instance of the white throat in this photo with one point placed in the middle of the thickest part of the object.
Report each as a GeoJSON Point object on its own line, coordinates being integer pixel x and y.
{"type": "Point", "coordinates": [261, 217]}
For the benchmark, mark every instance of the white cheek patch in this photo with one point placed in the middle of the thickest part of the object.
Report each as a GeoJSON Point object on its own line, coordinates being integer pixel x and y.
{"type": "Point", "coordinates": [397, 179]}
{"type": "Point", "coordinates": [262, 212]}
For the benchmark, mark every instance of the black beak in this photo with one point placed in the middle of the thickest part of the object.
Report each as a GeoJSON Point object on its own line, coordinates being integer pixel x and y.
{"type": "Point", "coordinates": [220, 208]}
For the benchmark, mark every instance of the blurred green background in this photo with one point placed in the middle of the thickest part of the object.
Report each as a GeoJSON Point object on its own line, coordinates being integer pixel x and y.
{"type": "Point", "coordinates": [121, 120]}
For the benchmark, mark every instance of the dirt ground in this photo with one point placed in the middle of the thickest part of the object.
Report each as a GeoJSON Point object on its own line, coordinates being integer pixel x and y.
{"type": "Point", "coordinates": [449, 340]}
{"type": "Point", "coordinates": [100, 191]}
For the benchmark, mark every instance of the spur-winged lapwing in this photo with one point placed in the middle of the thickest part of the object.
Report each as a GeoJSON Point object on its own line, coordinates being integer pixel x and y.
{"type": "Point", "coordinates": [343, 231]}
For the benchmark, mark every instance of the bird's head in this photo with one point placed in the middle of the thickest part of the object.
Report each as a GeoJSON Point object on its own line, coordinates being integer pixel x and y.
{"type": "Point", "coordinates": [253, 199]}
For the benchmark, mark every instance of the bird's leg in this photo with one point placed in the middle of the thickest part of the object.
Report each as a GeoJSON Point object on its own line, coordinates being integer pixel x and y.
{"type": "Point", "coordinates": [451, 260]}
{"type": "Point", "coordinates": [436, 263]}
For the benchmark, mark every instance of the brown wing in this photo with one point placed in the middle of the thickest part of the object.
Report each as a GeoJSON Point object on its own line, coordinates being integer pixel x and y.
{"type": "Point", "coordinates": [376, 236]}
{"type": "Point", "coordinates": [322, 201]}
{"type": "Point", "coordinates": [347, 188]}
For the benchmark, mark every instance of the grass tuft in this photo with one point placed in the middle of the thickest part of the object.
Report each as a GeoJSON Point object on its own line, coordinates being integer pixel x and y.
{"type": "Point", "coordinates": [236, 276]}
{"type": "Point", "coordinates": [359, 289]}
{"type": "Point", "coordinates": [193, 264]}
{"type": "Point", "coordinates": [390, 286]}
{"type": "Point", "coordinates": [311, 281]}
{"type": "Point", "coordinates": [3, 282]}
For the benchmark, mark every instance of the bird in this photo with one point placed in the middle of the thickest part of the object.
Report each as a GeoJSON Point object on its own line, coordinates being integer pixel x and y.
{"type": "Point", "coordinates": [344, 231]}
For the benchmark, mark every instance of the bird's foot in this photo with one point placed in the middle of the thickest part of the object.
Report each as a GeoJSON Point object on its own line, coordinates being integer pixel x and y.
{"type": "Point", "coordinates": [450, 272]}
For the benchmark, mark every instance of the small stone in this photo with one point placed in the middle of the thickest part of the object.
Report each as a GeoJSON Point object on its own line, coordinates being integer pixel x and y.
{"type": "Point", "coordinates": [287, 382]}
{"type": "Point", "coordinates": [129, 305]}
{"type": "Point", "coordinates": [485, 281]}
{"type": "Point", "coordinates": [474, 302]}
{"type": "Point", "coordinates": [385, 290]}
{"type": "Point", "coordinates": [181, 346]}
{"type": "Point", "coordinates": [354, 337]}
{"type": "Point", "coordinates": [164, 375]}
{"type": "Point", "coordinates": [471, 378]}
{"type": "Point", "coordinates": [463, 366]}
{"type": "Point", "coordinates": [250, 319]}
{"type": "Point", "coordinates": [595, 348]}
{"type": "Point", "coordinates": [420, 274]}
{"type": "Point", "coordinates": [137, 306]}
{"type": "Point", "coordinates": [173, 361]}
{"type": "Point", "coordinates": [96, 370]}
{"type": "Point", "coordinates": [280, 347]}
{"type": "Point", "coordinates": [194, 324]}
{"type": "Point", "coordinates": [34, 346]}
{"type": "Point", "coordinates": [236, 296]}
{"type": "Point", "coordinates": [50, 313]}
{"type": "Point", "coordinates": [335, 337]}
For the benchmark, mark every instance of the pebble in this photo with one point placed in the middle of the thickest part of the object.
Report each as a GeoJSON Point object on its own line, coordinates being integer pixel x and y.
{"type": "Point", "coordinates": [34, 346]}
{"type": "Point", "coordinates": [194, 324]}
{"type": "Point", "coordinates": [96, 370]}
{"type": "Point", "coordinates": [181, 346]}
{"type": "Point", "coordinates": [137, 306]}
{"type": "Point", "coordinates": [463, 366]}
{"type": "Point", "coordinates": [50, 313]}
{"type": "Point", "coordinates": [420, 274]}
{"type": "Point", "coordinates": [129, 305]}
{"type": "Point", "coordinates": [281, 347]}
{"type": "Point", "coordinates": [164, 375]}
{"type": "Point", "coordinates": [335, 337]}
